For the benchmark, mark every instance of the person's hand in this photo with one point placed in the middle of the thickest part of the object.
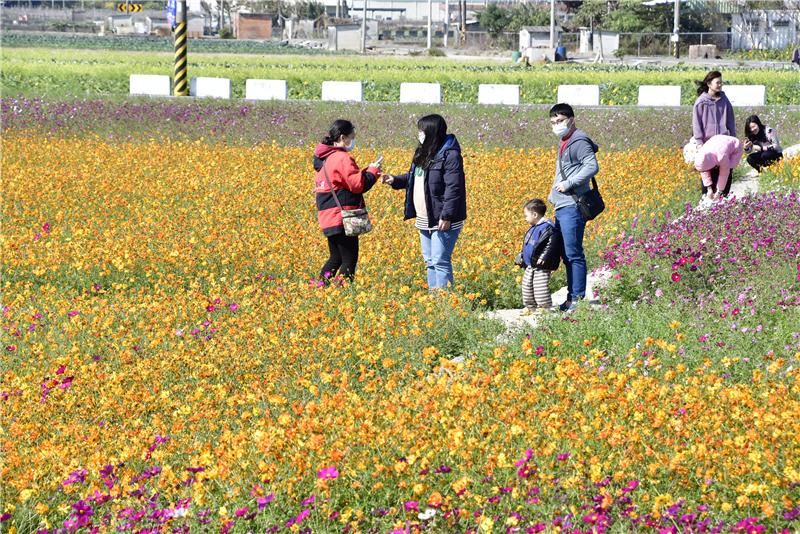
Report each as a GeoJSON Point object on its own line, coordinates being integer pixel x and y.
{"type": "Point", "coordinates": [560, 188]}
{"type": "Point", "coordinates": [756, 148]}
{"type": "Point", "coordinates": [444, 225]}
{"type": "Point", "coordinates": [376, 164]}
{"type": "Point", "coordinates": [747, 145]}
{"type": "Point", "coordinates": [387, 179]}
{"type": "Point", "coordinates": [540, 261]}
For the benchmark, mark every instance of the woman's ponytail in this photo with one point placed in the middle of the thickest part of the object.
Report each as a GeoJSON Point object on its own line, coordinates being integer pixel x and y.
{"type": "Point", "coordinates": [338, 129]}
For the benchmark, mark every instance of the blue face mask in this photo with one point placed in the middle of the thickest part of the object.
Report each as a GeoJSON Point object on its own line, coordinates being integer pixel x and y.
{"type": "Point", "coordinates": [351, 146]}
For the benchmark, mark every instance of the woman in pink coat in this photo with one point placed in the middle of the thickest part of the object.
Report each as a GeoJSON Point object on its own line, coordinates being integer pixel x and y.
{"type": "Point", "coordinates": [723, 151]}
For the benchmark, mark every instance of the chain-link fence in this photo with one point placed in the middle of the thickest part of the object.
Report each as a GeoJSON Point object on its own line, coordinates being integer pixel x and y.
{"type": "Point", "coordinates": [655, 44]}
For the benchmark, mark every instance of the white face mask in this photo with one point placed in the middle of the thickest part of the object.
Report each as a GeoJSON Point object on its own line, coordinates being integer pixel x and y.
{"type": "Point", "coordinates": [351, 146]}
{"type": "Point", "coordinates": [421, 137]}
{"type": "Point", "coordinates": [561, 128]}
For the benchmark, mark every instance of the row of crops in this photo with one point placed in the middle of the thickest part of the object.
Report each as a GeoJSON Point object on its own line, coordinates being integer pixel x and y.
{"type": "Point", "coordinates": [43, 72]}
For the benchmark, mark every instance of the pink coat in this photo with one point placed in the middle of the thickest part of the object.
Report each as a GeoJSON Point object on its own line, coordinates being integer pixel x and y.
{"type": "Point", "coordinates": [721, 151]}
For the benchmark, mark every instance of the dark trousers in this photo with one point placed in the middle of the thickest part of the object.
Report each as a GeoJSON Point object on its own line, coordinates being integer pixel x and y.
{"type": "Point", "coordinates": [343, 257]}
{"type": "Point", "coordinates": [715, 179]}
{"type": "Point", "coordinates": [759, 160]}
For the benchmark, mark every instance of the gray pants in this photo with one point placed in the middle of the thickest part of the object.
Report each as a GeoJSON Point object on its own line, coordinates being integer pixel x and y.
{"type": "Point", "coordinates": [535, 290]}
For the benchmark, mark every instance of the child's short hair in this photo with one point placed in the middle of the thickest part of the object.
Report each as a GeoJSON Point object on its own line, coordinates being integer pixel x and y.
{"type": "Point", "coordinates": [536, 205]}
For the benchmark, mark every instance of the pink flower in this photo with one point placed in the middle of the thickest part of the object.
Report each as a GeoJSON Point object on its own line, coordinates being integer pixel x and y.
{"type": "Point", "coordinates": [233, 306]}
{"type": "Point", "coordinates": [563, 456]}
{"type": "Point", "coordinates": [264, 501]}
{"type": "Point", "coordinates": [210, 308]}
{"type": "Point", "coordinates": [411, 506]}
{"type": "Point", "coordinates": [302, 515]}
{"type": "Point", "coordinates": [73, 313]}
{"type": "Point", "coordinates": [328, 473]}
{"type": "Point", "coordinates": [676, 277]}
{"type": "Point", "coordinates": [632, 485]}
{"type": "Point", "coordinates": [241, 511]}
{"type": "Point", "coordinates": [525, 459]}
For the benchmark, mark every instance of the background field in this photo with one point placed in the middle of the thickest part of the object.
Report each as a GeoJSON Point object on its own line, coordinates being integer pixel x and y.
{"type": "Point", "coordinates": [42, 72]}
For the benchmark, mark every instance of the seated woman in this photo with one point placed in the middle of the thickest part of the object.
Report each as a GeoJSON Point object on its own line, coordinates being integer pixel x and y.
{"type": "Point", "coordinates": [761, 144]}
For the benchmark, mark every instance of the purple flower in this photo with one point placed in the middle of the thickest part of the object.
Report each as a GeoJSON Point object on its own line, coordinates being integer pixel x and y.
{"type": "Point", "coordinates": [76, 477]}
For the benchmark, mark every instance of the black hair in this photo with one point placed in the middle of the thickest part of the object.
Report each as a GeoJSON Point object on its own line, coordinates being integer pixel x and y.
{"type": "Point", "coordinates": [562, 109]}
{"type": "Point", "coordinates": [340, 127]}
{"type": "Point", "coordinates": [435, 129]}
{"type": "Point", "coordinates": [762, 132]}
{"type": "Point", "coordinates": [702, 85]}
{"type": "Point", "coordinates": [536, 205]}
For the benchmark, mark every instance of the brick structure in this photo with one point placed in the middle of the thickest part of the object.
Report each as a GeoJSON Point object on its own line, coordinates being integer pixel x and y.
{"type": "Point", "coordinates": [252, 26]}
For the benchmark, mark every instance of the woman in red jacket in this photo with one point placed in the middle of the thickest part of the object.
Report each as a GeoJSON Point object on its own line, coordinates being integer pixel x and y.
{"type": "Point", "coordinates": [335, 166]}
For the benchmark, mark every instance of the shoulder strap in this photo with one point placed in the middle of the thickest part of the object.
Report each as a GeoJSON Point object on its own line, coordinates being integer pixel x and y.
{"type": "Point", "coordinates": [330, 186]}
{"type": "Point", "coordinates": [564, 175]}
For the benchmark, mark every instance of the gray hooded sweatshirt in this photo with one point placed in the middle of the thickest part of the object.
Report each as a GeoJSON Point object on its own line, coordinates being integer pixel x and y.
{"type": "Point", "coordinates": [580, 165]}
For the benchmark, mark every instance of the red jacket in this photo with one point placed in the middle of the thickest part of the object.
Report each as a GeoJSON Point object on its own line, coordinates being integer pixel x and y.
{"type": "Point", "coordinates": [349, 183]}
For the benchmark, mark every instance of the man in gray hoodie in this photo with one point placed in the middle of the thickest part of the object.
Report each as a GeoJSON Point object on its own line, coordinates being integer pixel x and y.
{"type": "Point", "coordinates": [576, 164]}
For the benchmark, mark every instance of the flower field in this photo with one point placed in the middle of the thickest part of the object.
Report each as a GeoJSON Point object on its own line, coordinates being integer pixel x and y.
{"type": "Point", "coordinates": [170, 362]}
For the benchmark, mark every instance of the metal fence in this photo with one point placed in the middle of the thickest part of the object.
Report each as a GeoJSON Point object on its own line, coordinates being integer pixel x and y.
{"type": "Point", "coordinates": [654, 44]}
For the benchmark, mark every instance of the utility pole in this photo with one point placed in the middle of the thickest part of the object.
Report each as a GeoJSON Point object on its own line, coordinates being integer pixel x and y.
{"type": "Point", "coordinates": [463, 22]}
{"type": "Point", "coordinates": [364, 29]}
{"type": "Point", "coordinates": [430, 23]}
{"type": "Point", "coordinates": [180, 85]}
{"type": "Point", "coordinates": [676, 27]}
{"type": "Point", "coordinates": [552, 24]}
{"type": "Point", "coordinates": [446, 20]}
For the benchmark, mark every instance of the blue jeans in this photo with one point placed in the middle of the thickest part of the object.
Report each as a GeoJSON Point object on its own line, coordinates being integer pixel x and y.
{"type": "Point", "coordinates": [571, 224]}
{"type": "Point", "coordinates": [437, 250]}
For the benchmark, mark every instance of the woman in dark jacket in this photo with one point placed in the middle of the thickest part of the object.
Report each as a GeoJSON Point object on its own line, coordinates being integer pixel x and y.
{"type": "Point", "coordinates": [436, 197]}
{"type": "Point", "coordinates": [761, 143]}
{"type": "Point", "coordinates": [338, 174]}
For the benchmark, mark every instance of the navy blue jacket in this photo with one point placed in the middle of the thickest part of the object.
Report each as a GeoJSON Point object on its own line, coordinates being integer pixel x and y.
{"type": "Point", "coordinates": [542, 242]}
{"type": "Point", "coordinates": [445, 190]}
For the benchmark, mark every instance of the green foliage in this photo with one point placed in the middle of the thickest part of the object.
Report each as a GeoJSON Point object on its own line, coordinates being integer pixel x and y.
{"type": "Point", "coordinates": [39, 72]}
{"type": "Point", "coordinates": [495, 19]}
{"type": "Point", "coordinates": [144, 44]}
{"type": "Point", "coordinates": [528, 15]}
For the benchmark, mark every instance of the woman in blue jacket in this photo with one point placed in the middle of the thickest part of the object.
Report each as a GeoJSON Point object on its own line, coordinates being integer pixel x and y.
{"type": "Point", "coordinates": [436, 196]}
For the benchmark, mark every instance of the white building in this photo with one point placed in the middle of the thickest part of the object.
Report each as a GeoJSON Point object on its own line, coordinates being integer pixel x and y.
{"type": "Point", "coordinates": [537, 37]}
{"type": "Point", "coordinates": [765, 29]}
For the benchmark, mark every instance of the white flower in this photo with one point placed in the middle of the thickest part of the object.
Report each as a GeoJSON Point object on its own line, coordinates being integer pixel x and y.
{"type": "Point", "coordinates": [427, 514]}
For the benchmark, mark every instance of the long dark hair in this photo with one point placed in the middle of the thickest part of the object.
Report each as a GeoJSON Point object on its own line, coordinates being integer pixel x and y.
{"type": "Point", "coordinates": [340, 127]}
{"type": "Point", "coordinates": [762, 131]}
{"type": "Point", "coordinates": [435, 129]}
{"type": "Point", "coordinates": [702, 86]}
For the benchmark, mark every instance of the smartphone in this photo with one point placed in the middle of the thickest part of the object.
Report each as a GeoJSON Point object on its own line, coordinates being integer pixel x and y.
{"type": "Point", "coordinates": [379, 160]}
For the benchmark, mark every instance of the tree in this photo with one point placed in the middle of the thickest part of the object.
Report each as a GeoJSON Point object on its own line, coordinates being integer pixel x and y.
{"type": "Point", "coordinates": [528, 15]}
{"type": "Point", "coordinates": [495, 19]}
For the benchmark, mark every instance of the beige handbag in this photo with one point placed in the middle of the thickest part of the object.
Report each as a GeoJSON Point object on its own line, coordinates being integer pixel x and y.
{"type": "Point", "coordinates": [355, 222]}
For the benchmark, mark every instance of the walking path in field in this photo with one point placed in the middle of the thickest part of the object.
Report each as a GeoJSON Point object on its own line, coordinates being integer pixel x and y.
{"type": "Point", "coordinates": [513, 318]}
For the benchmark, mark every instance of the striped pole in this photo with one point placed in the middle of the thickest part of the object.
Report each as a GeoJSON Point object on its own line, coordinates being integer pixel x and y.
{"type": "Point", "coordinates": [181, 81]}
